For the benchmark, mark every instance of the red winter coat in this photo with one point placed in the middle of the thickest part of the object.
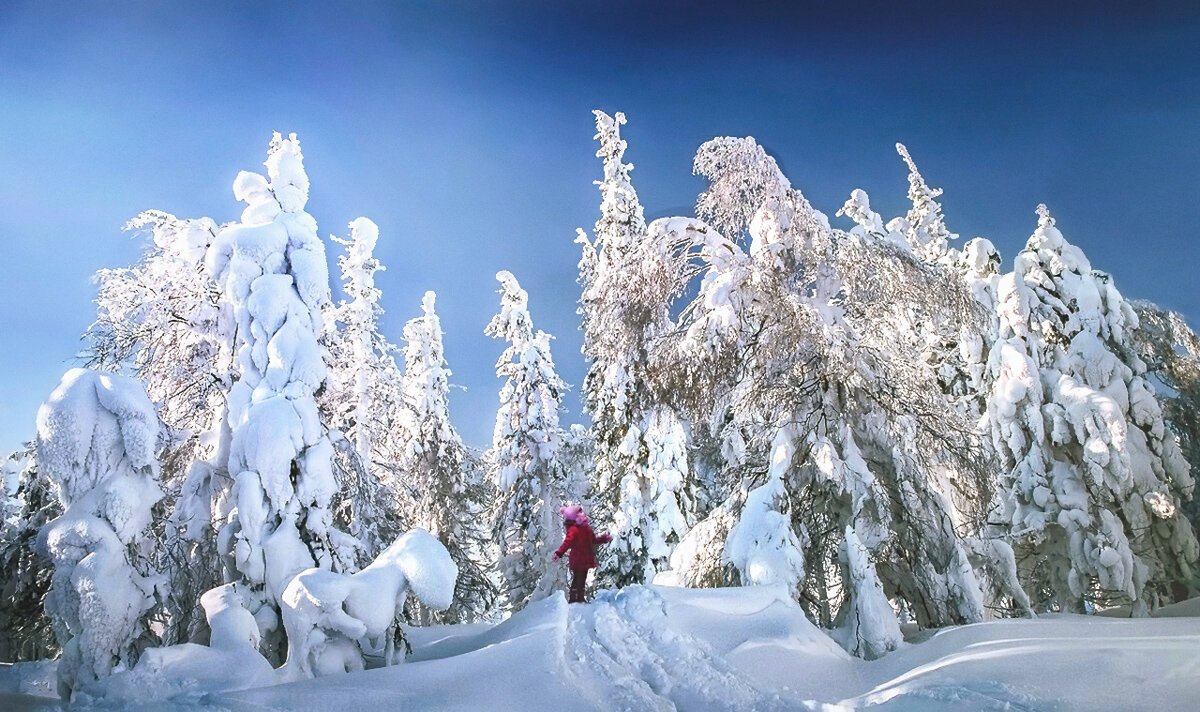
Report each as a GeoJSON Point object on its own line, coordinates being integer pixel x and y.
{"type": "Point", "coordinates": [581, 541]}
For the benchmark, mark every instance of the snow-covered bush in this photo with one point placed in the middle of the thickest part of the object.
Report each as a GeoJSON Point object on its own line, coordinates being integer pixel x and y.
{"type": "Point", "coordinates": [333, 619]}
{"type": "Point", "coordinates": [97, 440]}
{"type": "Point", "coordinates": [271, 270]}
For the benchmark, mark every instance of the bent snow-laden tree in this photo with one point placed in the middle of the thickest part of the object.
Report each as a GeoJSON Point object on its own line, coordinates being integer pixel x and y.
{"type": "Point", "coordinates": [795, 338]}
{"type": "Point", "coordinates": [956, 350]}
{"type": "Point", "coordinates": [1093, 479]}
{"type": "Point", "coordinates": [98, 435]}
{"type": "Point", "coordinates": [271, 269]}
{"type": "Point", "coordinates": [642, 476]}
{"type": "Point", "coordinates": [524, 458]}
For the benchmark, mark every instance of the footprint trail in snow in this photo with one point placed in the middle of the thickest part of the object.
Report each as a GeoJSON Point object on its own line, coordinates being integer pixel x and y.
{"type": "Point", "coordinates": [622, 654]}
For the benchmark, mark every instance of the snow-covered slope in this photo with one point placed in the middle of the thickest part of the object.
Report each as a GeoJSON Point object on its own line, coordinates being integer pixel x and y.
{"type": "Point", "coordinates": [658, 648]}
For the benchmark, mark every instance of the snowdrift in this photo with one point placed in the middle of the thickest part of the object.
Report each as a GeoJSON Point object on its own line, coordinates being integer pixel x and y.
{"type": "Point", "coordinates": [661, 648]}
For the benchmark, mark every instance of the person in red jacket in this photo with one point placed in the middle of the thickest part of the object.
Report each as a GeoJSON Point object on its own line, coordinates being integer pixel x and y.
{"type": "Point", "coordinates": [581, 541]}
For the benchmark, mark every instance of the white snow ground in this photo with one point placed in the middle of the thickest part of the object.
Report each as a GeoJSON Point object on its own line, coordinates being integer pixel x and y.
{"type": "Point", "coordinates": [659, 648]}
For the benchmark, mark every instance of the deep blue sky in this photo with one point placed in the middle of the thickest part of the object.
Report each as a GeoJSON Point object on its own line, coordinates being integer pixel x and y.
{"type": "Point", "coordinates": [465, 130]}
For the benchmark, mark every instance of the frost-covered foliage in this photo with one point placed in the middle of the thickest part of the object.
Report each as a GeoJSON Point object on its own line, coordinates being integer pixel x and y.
{"type": "Point", "coordinates": [1171, 351]}
{"type": "Point", "coordinates": [524, 460]}
{"type": "Point", "coordinates": [30, 502]}
{"type": "Point", "coordinates": [792, 354]}
{"type": "Point", "coordinates": [97, 440]}
{"type": "Point", "coordinates": [332, 619]}
{"type": "Point", "coordinates": [448, 498]}
{"type": "Point", "coordinates": [362, 397]}
{"type": "Point", "coordinates": [1093, 478]}
{"type": "Point", "coordinates": [163, 320]}
{"type": "Point", "coordinates": [271, 270]}
{"type": "Point", "coordinates": [956, 350]}
{"type": "Point", "coordinates": [628, 278]}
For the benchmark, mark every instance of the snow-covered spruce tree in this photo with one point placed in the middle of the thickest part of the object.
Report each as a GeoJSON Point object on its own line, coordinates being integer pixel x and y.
{"type": "Point", "coordinates": [448, 498]}
{"type": "Point", "coordinates": [796, 336]}
{"type": "Point", "coordinates": [162, 319]}
{"type": "Point", "coordinates": [25, 630]}
{"type": "Point", "coordinates": [1093, 477]}
{"type": "Point", "coordinates": [362, 397]}
{"type": "Point", "coordinates": [97, 439]}
{"type": "Point", "coordinates": [523, 461]}
{"type": "Point", "coordinates": [1171, 351]}
{"type": "Point", "coordinates": [271, 269]}
{"type": "Point", "coordinates": [642, 481]}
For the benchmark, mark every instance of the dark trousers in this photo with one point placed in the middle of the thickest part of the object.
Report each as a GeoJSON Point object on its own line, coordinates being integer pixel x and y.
{"type": "Point", "coordinates": [578, 581]}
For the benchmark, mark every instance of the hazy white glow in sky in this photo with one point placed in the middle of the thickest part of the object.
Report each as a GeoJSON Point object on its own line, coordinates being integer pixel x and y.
{"type": "Point", "coordinates": [464, 130]}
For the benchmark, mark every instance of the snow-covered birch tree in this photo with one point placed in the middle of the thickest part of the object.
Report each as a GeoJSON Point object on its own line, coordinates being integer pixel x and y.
{"type": "Point", "coordinates": [956, 351]}
{"type": "Point", "coordinates": [163, 320]}
{"type": "Point", "coordinates": [795, 335]}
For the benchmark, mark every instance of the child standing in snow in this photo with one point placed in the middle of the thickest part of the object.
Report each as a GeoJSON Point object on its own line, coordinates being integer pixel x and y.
{"type": "Point", "coordinates": [581, 541]}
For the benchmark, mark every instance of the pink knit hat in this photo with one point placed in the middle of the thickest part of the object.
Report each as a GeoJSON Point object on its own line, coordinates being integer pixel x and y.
{"type": "Point", "coordinates": [574, 513]}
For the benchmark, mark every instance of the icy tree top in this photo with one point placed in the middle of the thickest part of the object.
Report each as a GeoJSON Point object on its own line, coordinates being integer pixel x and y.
{"type": "Point", "coordinates": [622, 219]}
{"type": "Point", "coordinates": [513, 322]}
{"type": "Point", "coordinates": [927, 228]}
{"type": "Point", "coordinates": [426, 375]}
{"type": "Point", "coordinates": [359, 265]}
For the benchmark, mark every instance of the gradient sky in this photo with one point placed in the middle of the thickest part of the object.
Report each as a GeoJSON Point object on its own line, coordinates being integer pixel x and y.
{"type": "Point", "coordinates": [464, 129]}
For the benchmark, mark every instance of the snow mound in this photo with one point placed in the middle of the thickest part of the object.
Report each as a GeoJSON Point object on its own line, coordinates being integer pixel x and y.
{"type": "Point", "coordinates": [332, 619]}
{"type": "Point", "coordinates": [694, 650]}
